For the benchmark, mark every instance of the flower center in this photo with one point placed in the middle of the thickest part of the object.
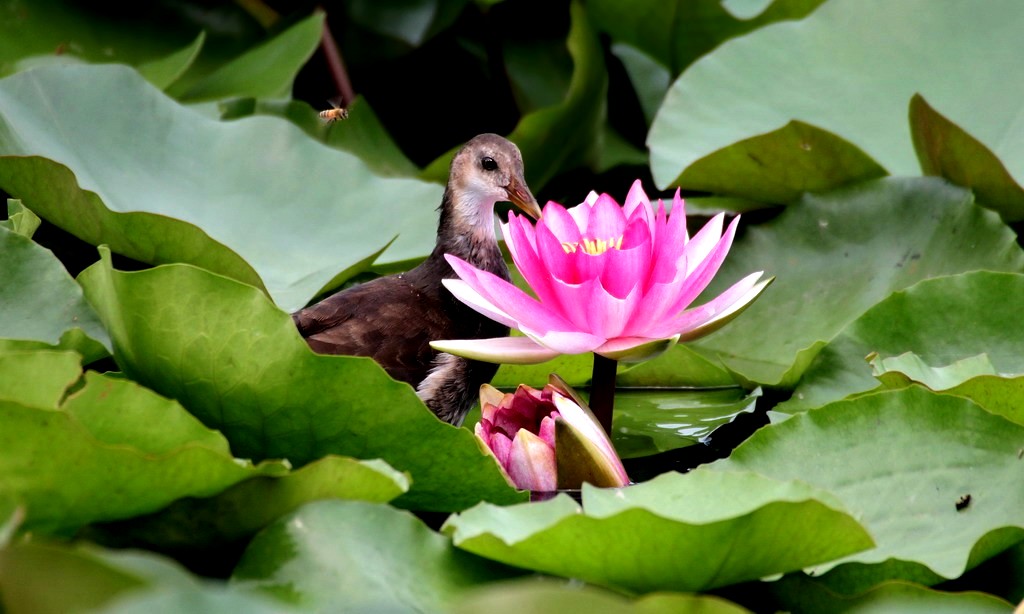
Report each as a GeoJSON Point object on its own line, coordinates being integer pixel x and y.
{"type": "Point", "coordinates": [594, 247]}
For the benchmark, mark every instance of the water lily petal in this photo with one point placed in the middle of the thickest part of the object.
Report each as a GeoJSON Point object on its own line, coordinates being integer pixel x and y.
{"type": "Point", "coordinates": [728, 314]}
{"type": "Point", "coordinates": [565, 342]}
{"type": "Point", "coordinates": [525, 310]}
{"type": "Point", "coordinates": [635, 349]}
{"type": "Point", "coordinates": [506, 350]}
{"type": "Point", "coordinates": [693, 322]}
{"type": "Point", "coordinates": [531, 463]}
{"type": "Point", "coordinates": [585, 448]}
{"type": "Point", "coordinates": [701, 275]}
{"type": "Point", "coordinates": [465, 293]}
{"type": "Point", "coordinates": [521, 241]}
{"type": "Point", "coordinates": [702, 243]}
{"type": "Point", "coordinates": [606, 219]}
{"type": "Point", "coordinates": [556, 219]}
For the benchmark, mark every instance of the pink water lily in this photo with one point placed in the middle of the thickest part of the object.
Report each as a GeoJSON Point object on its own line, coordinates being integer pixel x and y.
{"type": "Point", "coordinates": [547, 439]}
{"type": "Point", "coordinates": [614, 280]}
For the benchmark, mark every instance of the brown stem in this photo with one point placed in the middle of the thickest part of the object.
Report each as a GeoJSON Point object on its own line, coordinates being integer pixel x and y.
{"type": "Point", "coordinates": [602, 391]}
{"type": "Point", "coordinates": [336, 66]}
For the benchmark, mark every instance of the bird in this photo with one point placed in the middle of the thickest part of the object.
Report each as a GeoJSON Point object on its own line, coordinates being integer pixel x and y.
{"type": "Point", "coordinates": [393, 319]}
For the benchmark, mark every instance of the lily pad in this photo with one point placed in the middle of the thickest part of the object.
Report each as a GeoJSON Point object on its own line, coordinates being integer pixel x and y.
{"type": "Point", "coordinates": [677, 33]}
{"type": "Point", "coordinates": [60, 31]}
{"type": "Point", "coordinates": [799, 593]}
{"type": "Point", "coordinates": [40, 304]}
{"type": "Point", "coordinates": [96, 457]}
{"type": "Point", "coordinates": [863, 61]}
{"type": "Point", "coordinates": [946, 150]}
{"type": "Point", "coordinates": [933, 477]}
{"type": "Point", "coordinates": [93, 579]}
{"type": "Point", "coordinates": [194, 524]}
{"type": "Point", "coordinates": [281, 210]}
{"type": "Point", "coordinates": [835, 255]}
{"type": "Point", "coordinates": [20, 220]}
{"type": "Point", "coordinates": [652, 421]}
{"type": "Point", "coordinates": [942, 321]}
{"type": "Point", "coordinates": [266, 70]}
{"type": "Point", "coordinates": [236, 361]}
{"type": "Point", "coordinates": [351, 556]}
{"type": "Point", "coordinates": [544, 596]}
{"type": "Point", "coordinates": [691, 532]}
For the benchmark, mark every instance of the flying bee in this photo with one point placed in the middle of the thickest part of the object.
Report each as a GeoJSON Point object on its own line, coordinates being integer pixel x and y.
{"type": "Point", "coordinates": [333, 115]}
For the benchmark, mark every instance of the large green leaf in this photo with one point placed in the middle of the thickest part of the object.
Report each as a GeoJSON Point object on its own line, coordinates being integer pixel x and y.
{"type": "Point", "coordinates": [40, 304]}
{"type": "Point", "coordinates": [254, 199]}
{"type": "Point", "coordinates": [565, 136]}
{"type": "Point", "coordinates": [689, 532]}
{"type": "Point", "coordinates": [237, 362]}
{"type": "Point", "coordinates": [934, 478]}
{"type": "Point", "coordinates": [92, 579]}
{"type": "Point", "coordinates": [798, 593]}
{"type": "Point", "coordinates": [849, 68]}
{"type": "Point", "coordinates": [836, 255]}
{"type": "Point", "coordinates": [222, 521]}
{"type": "Point", "coordinates": [944, 149]}
{"type": "Point", "coordinates": [51, 31]}
{"type": "Point", "coordinates": [543, 596]}
{"type": "Point", "coordinates": [97, 456]}
{"type": "Point", "coordinates": [266, 70]}
{"type": "Point", "coordinates": [942, 321]}
{"type": "Point", "coordinates": [357, 557]}
{"type": "Point", "coordinates": [678, 32]}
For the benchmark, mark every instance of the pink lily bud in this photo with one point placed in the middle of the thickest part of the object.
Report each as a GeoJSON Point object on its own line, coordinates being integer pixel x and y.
{"type": "Point", "coordinates": [547, 439]}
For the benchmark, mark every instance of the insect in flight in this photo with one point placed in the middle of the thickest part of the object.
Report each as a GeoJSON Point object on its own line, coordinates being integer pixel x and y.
{"type": "Point", "coordinates": [333, 115]}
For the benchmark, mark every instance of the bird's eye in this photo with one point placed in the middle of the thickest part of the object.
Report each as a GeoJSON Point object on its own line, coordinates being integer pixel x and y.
{"type": "Point", "coordinates": [488, 164]}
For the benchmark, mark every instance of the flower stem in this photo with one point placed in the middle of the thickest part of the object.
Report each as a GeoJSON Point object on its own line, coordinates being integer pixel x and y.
{"type": "Point", "coordinates": [602, 391]}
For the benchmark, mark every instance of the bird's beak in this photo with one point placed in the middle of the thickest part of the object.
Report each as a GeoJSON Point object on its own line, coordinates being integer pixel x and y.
{"type": "Point", "coordinates": [520, 196]}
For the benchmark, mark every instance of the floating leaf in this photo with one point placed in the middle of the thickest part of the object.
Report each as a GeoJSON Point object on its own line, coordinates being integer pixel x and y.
{"type": "Point", "coordinates": [946, 150]}
{"type": "Point", "coordinates": [242, 510]}
{"type": "Point", "coordinates": [942, 321]}
{"type": "Point", "coordinates": [93, 579]}
{"type": "Point", "coordinates": [266, 70]}
{"type": "Point", "coordinates": [281, 210]}
{"type": "Point", "coordinates": [40, 304]}
{"type": "Point", "coordinates": [933, 477]}
{"type": "Point", "coordinates": [798, 593]}
{"type": "Point", "coordinates": [677, 33]}
{"type": "Point", "coordinates": [53, 31]}
{"type": "Point", "coordinates": [20, 220]}
{"type": "Point", "coordinates": [849, 68]}
{"type": "Point", "coordinates": [689, 532]}
{"type": "Point", "coordinates": [543, 596]}
{"type": "Point", "coordinates": [836, 255]}
{"type": "Point", "coordinates": [98, 456]}
{"type": "Point", "coordinates": [238, 363]}
{"type": "Point", "coordinates": [350, 556]}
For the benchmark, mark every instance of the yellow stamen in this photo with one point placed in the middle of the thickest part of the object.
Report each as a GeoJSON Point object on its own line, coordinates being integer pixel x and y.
{"type": "Point", "coordinates": [594, 247]}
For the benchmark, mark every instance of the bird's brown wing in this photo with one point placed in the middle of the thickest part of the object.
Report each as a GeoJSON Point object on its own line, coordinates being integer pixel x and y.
{"type": "Point", "coordinates": [386, 319]}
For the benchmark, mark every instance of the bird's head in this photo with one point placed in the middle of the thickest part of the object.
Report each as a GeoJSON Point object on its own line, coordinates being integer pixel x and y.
{"type": "Point", "coordinates": [489, 169]}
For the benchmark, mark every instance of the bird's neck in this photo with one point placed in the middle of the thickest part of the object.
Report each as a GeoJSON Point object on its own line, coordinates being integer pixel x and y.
{"type": "Point", "coordinates": [466, 230]}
